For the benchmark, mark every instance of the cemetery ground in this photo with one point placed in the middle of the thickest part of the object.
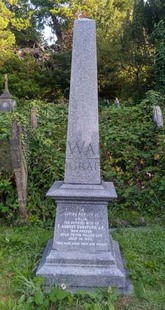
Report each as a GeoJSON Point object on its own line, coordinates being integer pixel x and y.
{"type": "Point", "coordinates": [20, 251]}
{"type": "Point", "coordinates": [132, 156]}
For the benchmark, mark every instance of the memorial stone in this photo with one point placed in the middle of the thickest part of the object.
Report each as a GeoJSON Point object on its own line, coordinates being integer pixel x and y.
{"type": "Point", "coordinates": [82, 253]}
{"type": "Point", "coordinates": [158, 116]}
{"type": "Point", "coordinates": [7, 103]}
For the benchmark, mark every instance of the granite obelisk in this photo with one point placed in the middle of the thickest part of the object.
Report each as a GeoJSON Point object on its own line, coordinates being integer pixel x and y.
{"type": "Point", "coordinates": [82, 253]}
{"type": "Point", "coordinates": [82, 153]}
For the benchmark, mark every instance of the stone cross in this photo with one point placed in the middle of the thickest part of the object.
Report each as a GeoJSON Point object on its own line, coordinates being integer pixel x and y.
{"type": "Point", "coordinates": [82, 253]}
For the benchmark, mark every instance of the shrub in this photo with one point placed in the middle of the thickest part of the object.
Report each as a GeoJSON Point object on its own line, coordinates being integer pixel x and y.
{"type": "Point", "coordinates": [131, 156]}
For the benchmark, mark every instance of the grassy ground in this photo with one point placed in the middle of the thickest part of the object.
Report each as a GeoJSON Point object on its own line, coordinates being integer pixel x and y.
{"type": "Point", "coordinates": [144, 251]}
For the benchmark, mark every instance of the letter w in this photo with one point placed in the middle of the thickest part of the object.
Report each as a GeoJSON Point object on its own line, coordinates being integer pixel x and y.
{"type": "Point", "coordinates": [76, 148]}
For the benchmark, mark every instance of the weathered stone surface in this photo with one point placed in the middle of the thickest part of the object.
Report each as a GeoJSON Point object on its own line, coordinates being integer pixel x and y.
{"type": "Point", "coordinates": [7, 104]}
{"type": "Point", "coordinates": [158, 116]}
{"type": "Point", "coordinates": [82, 253]}
{"type": "Point", "coordinates": [86, 273]}
{"type": "Point", "coordinates": [82, 226]}
{"type": "Point", "coordinates": [103, 192]}
{"type": "Point", "coordinates": [82, 154]}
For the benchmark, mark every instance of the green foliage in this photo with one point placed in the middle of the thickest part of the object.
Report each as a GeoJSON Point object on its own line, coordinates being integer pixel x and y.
{"type": "Point", "coordinates": [130, 44]}
{"type": "Point", "coordinates": [109, 16]}
{"type": "Point", "coordinates": [30, 79]}
{"type": "Point", "coordinates": [19, 256]}
{"type": "Point", "coordinates": [59, 298]}
{"type": "Point", "coordinates": [58, 69]}
{"type": "Point", "coordinates": [19, 288]}
{"type": "Point", "coordinates": [132, 156]}
{"type": "Point", "coordinates": [133, 159]}
{"type": "Point", "coordinates": [158, 37]}
{"type": "Point", "coordinates": [154, 13]}
{"type": "Point", "coordinates": [144, 253]}
{"type": "Point", "coordinates": [135, 53]}
{"type": "Point", "coordinates": [26, 77]}
{"type": "Point", "coordinates": [8, 21]}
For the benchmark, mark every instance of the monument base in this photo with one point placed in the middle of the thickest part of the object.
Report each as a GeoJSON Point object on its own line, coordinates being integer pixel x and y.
{"type": "Point", "coordinates": [81, 276]}
{"type": "Point", "coordinates": [82, 253]}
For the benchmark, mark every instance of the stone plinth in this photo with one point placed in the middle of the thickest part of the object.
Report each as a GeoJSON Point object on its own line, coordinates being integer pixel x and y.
{"type": "Point", "coordinates": [82, 254]}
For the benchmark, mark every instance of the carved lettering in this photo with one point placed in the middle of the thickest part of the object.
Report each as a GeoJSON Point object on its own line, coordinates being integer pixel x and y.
{"type": "Point", "coordinates": [83, 165]}
{"type": "Point", "coordinates": [90, 150]}
{"type": "Point", "coordinates": [76, 148]}
{"type": "Point", "coordinates": [79, 148]}
{"type": "Point", "coordinates": [81, 229]}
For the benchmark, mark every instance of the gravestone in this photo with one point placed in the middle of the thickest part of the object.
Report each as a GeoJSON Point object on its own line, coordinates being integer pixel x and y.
{"type": "Point", "coordinates": [19, 168]}
{"type": "Point", "coordinates": [158, 116]}
{"type": "Point", "coordinates": [7, 103]}
{"type": "Point", "coordinates": [34, 120]}
{"type": "Point", "coordinates": [82, 253]}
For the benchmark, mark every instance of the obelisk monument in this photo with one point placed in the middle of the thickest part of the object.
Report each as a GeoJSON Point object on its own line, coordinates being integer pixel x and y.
{"type": "Point", "coordinates": [82, 253]}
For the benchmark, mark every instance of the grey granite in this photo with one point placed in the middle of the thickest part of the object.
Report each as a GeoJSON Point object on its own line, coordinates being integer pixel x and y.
{"type": "Point", "coordinates": [81, 226]}
{"type": "Point", "coordinates": [158, 116]}
{"type": "Point", "coordinates": [7, 103]}
{"type": "Point", "coordinates": [82, 253]}
{"type": "Point", "coordinates": [105, 191]}
{"type": "Point", "coordinates": [77, 274]}
{"type": "Point", "coordinates": [82, 150]}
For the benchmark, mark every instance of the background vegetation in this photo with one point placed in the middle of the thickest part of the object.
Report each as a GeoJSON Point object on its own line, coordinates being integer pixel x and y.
{"type": "Point", "coordinates": [132, 156]}
{"type": "Point", "coordinates": [131, 66]}
{"type": "Point", "coordinates": [130, 39]}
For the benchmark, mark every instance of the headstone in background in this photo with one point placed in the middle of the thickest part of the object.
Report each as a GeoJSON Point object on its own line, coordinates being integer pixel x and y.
{"type": "Point", "coordinates": [34, 120]}
{"type": "Point", "coordinates": [158, 116]}
{"type": "Point", "coordinates": [19, 167]}
{"type": "Point", "coordinates": [82, 253]}
{"type": "Point", "coordinates": [7, 104]}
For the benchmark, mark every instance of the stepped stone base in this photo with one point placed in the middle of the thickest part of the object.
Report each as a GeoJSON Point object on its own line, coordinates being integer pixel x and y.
{"type": "Point", "coordinates": [82, 253]}
{"type": "Point", "coordinates": [87, 274]}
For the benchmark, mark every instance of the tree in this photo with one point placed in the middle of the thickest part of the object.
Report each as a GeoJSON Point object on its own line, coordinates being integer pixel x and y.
{"type": "Point", "coordinates": [136, 53]}
{"type": "Point", "coordinates": [154, 12]}
{"type": "Point", "coordinates": [8, 22]}
{"type": "Point", "coordinates": [158, 38]}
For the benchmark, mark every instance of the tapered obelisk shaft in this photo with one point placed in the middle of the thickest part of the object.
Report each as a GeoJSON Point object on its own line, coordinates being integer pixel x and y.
{"type": "Point", "coordinates": [82, 154]}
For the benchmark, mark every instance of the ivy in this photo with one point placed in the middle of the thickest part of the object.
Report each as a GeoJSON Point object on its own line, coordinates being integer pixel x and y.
{"type": "Point", "coordinates": [132, 156]}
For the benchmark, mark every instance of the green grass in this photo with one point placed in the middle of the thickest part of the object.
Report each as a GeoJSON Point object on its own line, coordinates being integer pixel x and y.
{"type": "Point", "coordinates": [143, 249]}
{"type": "Point", "coordinates": [19, 254]}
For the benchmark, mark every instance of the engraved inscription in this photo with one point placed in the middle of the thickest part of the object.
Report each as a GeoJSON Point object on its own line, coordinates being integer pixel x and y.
{"type": "Point", "coordinates": [83, 165]}
{"type": "Point", "coordinates": [85, 156]}
{"type": "Point", "coordinates": [81, 229]}
{"type": "Point", "coordinates": [79, 148]}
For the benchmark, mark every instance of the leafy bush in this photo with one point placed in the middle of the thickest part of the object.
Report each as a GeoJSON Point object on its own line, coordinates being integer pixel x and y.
{"type": "Point", "coordinates": [132, 156]}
